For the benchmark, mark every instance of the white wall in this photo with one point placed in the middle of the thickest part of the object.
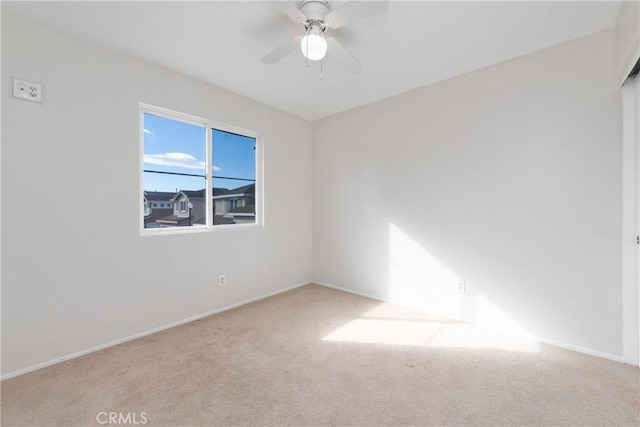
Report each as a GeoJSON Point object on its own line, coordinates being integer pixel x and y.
{"type": "Point", "coordinates": [74, 279]}
{"type": "Point", "coordinates": [627, 32]}
{"type": "Point", "coordinates": [508, 178]}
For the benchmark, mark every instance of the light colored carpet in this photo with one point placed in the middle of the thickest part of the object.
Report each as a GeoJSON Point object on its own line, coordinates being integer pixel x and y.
{"type": "Point", "coordinates": [316, 356]}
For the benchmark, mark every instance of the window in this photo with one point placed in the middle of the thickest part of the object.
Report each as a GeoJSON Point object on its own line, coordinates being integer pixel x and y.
{"type": "Point", "coordinates": [234, 177]}
{"type": "Point", "coordinates": [180, 155]}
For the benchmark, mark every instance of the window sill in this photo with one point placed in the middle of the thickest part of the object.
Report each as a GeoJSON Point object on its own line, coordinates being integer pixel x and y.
{"type": "Point", "coordinates": [197, 229]}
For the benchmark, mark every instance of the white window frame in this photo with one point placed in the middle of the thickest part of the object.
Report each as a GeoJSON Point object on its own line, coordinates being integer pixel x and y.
{"type": "Point", "coordinates": [209, 126]}
{"type": "Point", "coordinates": [631, 221]}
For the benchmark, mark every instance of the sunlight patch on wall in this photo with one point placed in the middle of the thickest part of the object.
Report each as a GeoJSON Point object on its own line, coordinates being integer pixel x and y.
{"type": "Point", "coordinates": [489, 315]}
{"type": "Point", "coordinates": [419, 279]}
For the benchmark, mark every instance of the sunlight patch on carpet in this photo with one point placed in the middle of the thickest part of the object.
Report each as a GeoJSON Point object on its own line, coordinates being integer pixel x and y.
{"type": "Point", "coordinates": [428, 333]}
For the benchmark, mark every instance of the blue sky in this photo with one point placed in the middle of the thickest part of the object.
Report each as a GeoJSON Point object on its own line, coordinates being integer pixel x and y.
{"type": "Point", "coordinates": [173, 146]}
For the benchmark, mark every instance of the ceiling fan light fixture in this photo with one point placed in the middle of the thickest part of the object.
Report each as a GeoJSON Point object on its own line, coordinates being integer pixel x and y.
{"type": "Point", "coordinates": [313, 45]}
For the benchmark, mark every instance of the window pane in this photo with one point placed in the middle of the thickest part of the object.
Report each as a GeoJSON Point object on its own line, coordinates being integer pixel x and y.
{"type": "Point", "coordinates": [174, 173]}
{"type": "Point", "coordinates": [188, 199]}
{"type": "Point", "coordinates": [234, 174]}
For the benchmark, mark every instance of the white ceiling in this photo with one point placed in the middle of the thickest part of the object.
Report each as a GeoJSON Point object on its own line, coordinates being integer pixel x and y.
{"type": "Point", "coordinates": [410, 45]}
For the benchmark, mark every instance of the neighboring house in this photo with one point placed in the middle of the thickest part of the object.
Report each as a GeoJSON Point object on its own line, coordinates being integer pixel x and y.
{"type": "Point", "coordinates": [160, 199]}
{"type": "Point", "coordinates": [146, 207]}
{"type": "Point", "coordinates": [158, 204]}
{"type": "Point", "coordinates": [181, 214]}
{"type": "Point", "coordinates": [243, 215]}
{"type": "Point", "coordinates": [235, 206]}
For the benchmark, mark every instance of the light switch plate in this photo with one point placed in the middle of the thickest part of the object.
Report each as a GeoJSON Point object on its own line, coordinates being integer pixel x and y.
{"type": "Point", "coordinates": [27, 90]}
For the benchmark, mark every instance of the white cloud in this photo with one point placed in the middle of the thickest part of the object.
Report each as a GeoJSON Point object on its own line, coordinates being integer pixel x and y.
{"type": "Point", "coordinates": [181, 160]}
{"type": "Point", "coordinates": [148, 132]}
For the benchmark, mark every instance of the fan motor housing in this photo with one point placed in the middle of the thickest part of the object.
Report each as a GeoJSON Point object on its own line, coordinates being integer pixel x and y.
{"type": "Point", "coordinates": [315, 10]}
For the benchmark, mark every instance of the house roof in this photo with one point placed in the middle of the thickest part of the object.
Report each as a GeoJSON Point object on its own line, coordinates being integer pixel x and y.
{"type": "Point", "coordinates": [160, 196]}
{"type": "Point", "coordinates": [180, 220]}
{"type": "Point", "coordinates": [157, 213]}
{"type": "Point", "coordinates": [171, 219]}
{"type": "Point", "coordinates": [245, 189]}
{"type": "Point", "coordinates": [217, 192]}
{"type": "Point", "coordinates": [192, 194]}
{"type": "Point", "coordinates": [219, 219]}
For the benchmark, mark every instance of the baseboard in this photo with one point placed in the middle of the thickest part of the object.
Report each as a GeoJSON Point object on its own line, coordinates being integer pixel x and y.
{"type": "Point", "coordinates": [143, 334]}
{"type": "Point", "coordinates": [258, 298]}
{"type": "Point", "coordinates": [536, 339]}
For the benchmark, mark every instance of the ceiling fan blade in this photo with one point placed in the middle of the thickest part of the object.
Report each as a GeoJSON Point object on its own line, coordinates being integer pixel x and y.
{"type": "Point", "coordinates": [354, 11]}
{"type": "Point", "coordinates": [290, 10]}
{"type": "Point", "coordinates": [338, 52]}
{"type": "Point", "coordinates": [281, 51]}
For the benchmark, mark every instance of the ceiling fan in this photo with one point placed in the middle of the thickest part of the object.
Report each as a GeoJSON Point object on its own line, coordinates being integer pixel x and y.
{"type": "Point", "coordinates": [317, 16]}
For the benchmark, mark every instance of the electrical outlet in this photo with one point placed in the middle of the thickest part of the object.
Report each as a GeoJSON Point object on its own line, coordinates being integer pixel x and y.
{"type": "Point", "coordinates": [222, 280]}
{"type": "Point", "coordinates": [27, 90]}
{"type": "Point", "coordinates": [462, 288]}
